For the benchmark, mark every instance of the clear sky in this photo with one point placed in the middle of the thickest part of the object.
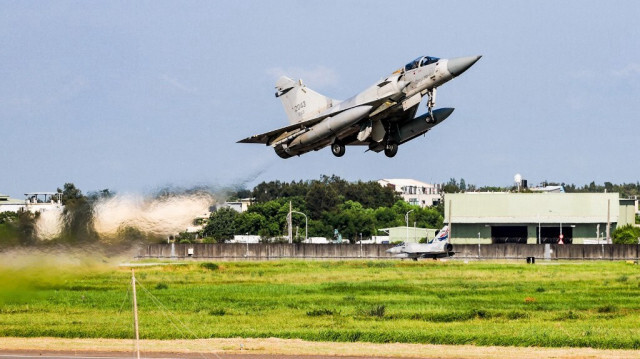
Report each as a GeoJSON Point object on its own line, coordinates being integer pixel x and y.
{"type": "Point", "coordinates": [135, 95]}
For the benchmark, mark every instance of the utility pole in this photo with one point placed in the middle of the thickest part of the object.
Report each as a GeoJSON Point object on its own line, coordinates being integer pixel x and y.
{"type": "Point", "coordinates": [289, 224]}
{"type": "Point", "coordinates": [539, 230]}
{"type": "Point", "coordinates": [450, 232]}
{"type": "Point", "coordinates": [608, 221]}
{"type": "Point", "coordinates": [406, 219]}
{"type": "Point", "coordinates": [135, 313]}
{"type": "Point", "coordinates": [306, 226]}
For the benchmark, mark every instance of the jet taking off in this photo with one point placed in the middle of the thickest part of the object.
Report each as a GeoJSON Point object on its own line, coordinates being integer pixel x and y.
{"type": "Point", "coordinates": [381, 117]}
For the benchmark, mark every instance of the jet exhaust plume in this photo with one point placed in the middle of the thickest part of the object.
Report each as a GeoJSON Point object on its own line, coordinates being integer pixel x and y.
{"type": "Point", "coordinates": [112, 219]}
{"type": "Point", "coordinates": [161, 216]}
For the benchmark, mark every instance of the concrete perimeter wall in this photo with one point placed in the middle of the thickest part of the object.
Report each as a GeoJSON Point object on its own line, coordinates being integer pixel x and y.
{"type": "Point", "coordinates": [261, 251]}
{"type": "Point", "coordinates": [548, 251]}
{"type": "Point", "coordinates": [232, 251]}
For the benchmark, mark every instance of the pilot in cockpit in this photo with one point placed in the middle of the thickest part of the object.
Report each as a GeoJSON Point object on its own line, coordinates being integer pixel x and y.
{"type": "Point", "coordinates": [420, 61]}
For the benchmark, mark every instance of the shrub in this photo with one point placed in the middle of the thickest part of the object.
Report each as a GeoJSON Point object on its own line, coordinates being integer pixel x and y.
{"type": "Point", "coordinates": [622, 278]}
{"type": "Point", "coordinates": [607, 309]}
{"type": "Point", "coordinates": [517, 315]}
{"type": "Point", "coordinates": [377, 311]}
{"type": "Point", "coordinates": [217, 312]}
{"type": "Point", "coordinates": [570, 315]}
{"type": "Point", "coordinates": [210, 266]}
{"type": "Point", "coordinates": [320, 312]}
{"type": "Point", "coordinates": [628, 234]}
{"type": "Point", "coordinates": [162, 286]}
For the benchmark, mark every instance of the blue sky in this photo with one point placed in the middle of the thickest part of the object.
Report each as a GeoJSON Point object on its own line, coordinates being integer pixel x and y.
{"type": "Point", "coordinates": [133, 96]}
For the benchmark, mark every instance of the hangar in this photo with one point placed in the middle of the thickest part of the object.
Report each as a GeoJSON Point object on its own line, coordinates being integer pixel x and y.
{"type": "Point", "coordinates": [580, 218]}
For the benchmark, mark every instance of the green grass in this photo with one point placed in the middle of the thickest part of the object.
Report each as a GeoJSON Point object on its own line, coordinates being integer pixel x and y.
{"type": "Point", "coordinates": [591, 304]}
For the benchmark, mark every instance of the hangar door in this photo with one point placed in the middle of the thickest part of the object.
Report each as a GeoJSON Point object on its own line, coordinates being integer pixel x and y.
{"type": "Point", "coordinates": [509, 234]}
{"type": "Point", "coordinates": [552, 234]}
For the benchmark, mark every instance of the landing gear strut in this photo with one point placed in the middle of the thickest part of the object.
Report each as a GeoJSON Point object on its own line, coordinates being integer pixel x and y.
{"type": "Point", "coordinates": [431, 103]}
{"type": "Point", "coordinates": [338, 149]}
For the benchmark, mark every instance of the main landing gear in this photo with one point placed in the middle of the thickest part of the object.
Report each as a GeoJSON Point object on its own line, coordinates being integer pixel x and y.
{"type": "Point", "coordinates": [390, 149]}
{"type": "Point", "coordinates": [338, 149]}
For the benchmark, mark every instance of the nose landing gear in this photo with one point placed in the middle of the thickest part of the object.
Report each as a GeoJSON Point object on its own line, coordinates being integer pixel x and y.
{"type": "Point", "coordinates": [431, 103]}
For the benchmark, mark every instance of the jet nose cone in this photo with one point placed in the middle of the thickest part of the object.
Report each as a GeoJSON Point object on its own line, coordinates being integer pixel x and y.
{"type": "Point", "coordinates": [459, 65]}
{"type": "Point", "coordinates": [394, 250]}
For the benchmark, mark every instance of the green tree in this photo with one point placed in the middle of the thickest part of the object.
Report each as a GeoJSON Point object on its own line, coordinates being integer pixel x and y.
{"type": "Point", "coordinates": [451, 186]}
{"type": "Point", "coordinates": [628, 234]}
{"type": "Point", "coordinates": [321, 198]}
{"type": "Point", "coordinates": [102, 194]}
{"type": "Point", "coordinates": [26, 227]}
{"type": "Point", "coordinates": [428, 218]}
{"type": "Point", "coordinates": [8, 229]}
{"type": "Point", "coordinates": [77, 216]}
{"type": "Point", "coordinates": [221, 225]}
{"type": "Point", "coordinates": [386, 217]}
{"type": "Point", "coordinates": [352, 219]}
{"type": "Point", "coordinates": [249, 223]}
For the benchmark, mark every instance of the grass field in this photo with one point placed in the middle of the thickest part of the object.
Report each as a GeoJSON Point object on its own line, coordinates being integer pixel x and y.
{"type": "Point", "coordinates": [587, 304]}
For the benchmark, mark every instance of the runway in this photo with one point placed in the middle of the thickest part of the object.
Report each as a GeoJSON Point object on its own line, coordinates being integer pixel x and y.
{"type": "Point", "coordinates": [271, 348]}
{"type": "Point", "coordinates": [39, 354]}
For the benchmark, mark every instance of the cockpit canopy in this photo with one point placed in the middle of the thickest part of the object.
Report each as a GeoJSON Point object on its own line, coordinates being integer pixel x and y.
{"type": "Point", "coordinates": [420, 61]}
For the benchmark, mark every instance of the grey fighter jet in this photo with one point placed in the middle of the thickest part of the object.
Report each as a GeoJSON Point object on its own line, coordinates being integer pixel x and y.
{"type": "Point", "coordinates": [438, 247]}
{"type": "Point", "coordinates": [381, 117]}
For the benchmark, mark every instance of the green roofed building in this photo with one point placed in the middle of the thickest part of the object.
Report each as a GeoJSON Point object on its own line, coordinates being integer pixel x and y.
{"type": "Point", "coordinates": [581, 218]}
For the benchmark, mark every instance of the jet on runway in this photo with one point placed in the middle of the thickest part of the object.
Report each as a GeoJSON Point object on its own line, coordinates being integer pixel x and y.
{"type": "Point", "coordinates": [381, 117]}
{"type": "Point", "coordinates": [439, 247]}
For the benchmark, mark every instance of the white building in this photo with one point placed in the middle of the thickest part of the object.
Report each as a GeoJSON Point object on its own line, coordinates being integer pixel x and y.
{"type": "Point", "coordinates": [239, 206]}
{"type": "Point", "coordinates": [415, 192]}
{"type": "Point", "coordinates": [34, 202]}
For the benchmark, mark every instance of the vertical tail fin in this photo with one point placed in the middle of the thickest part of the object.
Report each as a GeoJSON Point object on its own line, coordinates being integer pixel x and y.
{"type": "Point", "coordinates": [299, 102]}
{"type": "Point", "coordinates": [443, 234]}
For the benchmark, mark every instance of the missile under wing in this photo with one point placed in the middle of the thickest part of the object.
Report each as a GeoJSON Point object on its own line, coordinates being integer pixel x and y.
{"type": "Point", "coordinates": [381, 117]}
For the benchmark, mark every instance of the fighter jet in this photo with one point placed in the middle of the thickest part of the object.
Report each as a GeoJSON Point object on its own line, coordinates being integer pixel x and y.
{"type": "Point", "coordinates": [381, 117]}
{"type": "Point", "coordinates": [438, 247]}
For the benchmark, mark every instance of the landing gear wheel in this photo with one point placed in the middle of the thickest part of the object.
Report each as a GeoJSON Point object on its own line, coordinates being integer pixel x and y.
{"type": "Point", "coordinates": [430, 118]}
{"type": "Point", "coordinates": [337, 149]}
{"type": "Point", "coordinates": [391, 149]}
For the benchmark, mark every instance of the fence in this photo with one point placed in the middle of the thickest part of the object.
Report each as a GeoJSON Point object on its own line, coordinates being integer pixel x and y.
{"type": "Point", "coordinates": [263, 251]}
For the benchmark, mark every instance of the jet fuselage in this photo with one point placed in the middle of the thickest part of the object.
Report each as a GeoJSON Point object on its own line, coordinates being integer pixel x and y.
{"type": "Point", "coordinates": [380, 117]}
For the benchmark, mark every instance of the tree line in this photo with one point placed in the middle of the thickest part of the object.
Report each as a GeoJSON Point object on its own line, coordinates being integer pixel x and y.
{"type": "Point", "coordinates": [626, 190]}
{"type": "Point", "coordinates": [354, 209]}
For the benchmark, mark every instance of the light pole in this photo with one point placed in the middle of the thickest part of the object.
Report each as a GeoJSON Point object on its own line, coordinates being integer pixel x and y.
{"type": "Point", "coordinates": [406, 219]}
{"type": "Point", "coordinates": [539, 230]}
{"type": "Point", "coordinates": [306, 226]}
